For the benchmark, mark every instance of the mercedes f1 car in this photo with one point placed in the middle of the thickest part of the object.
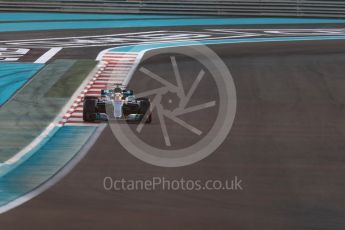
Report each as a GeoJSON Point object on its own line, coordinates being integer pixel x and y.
{"type": "Point", "coordinates": [117, 104]}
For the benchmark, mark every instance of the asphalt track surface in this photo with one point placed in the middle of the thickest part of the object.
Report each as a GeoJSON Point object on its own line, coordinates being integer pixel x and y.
{"type": "Point", "coordinates": [286, 144]}
{"type": "Point", "coordinates": [92, 52]}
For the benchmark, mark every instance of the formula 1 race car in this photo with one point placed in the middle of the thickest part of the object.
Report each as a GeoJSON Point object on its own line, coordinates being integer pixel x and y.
{"type": "Point", "coordinates": [118, 104]}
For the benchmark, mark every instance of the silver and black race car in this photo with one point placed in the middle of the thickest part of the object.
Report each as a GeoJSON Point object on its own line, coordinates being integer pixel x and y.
{"type": "Point", "coordinates": [118, 104]}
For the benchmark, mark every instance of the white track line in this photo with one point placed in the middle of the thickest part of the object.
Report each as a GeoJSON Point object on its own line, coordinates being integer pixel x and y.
{"type": "Point", "coordinates": [48, 55]}
{"type": "Point", "coordinates": [31, 146]}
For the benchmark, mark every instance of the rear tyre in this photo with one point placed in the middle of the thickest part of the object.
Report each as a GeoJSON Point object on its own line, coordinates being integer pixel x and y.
{"type": "Point", "coordinates": [145, 108]}
{"type": "Point", "coordinates": [90, 110]}
{"type": "Point", "coordinates": [144, 105]}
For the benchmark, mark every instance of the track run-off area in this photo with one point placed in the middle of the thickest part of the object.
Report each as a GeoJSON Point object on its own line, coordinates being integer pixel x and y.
{"type": "Point", "coordinates": [286, 143]}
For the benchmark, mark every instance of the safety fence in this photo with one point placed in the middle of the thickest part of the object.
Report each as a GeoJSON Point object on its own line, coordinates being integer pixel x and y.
{"type": "Point", "coordinates": [288, 8]}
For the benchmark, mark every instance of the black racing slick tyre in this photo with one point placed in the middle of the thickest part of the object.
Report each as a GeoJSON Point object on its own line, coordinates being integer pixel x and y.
{"type": "Point", "coordinates": [90, 110]}
{"type": "Point", "coordinates": [144, 105]}
{"type": "Point", "coordinates": [145, 108]}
